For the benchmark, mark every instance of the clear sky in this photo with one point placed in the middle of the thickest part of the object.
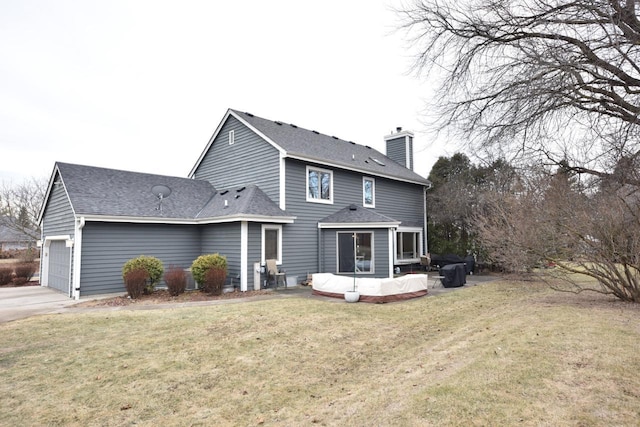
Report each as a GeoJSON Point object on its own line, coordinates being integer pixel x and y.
{"type": "Point", "coordinates": [142, 85]}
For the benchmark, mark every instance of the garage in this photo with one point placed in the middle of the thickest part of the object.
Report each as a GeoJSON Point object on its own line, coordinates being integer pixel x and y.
{"type": "Point", "coordinates": [58, 266]}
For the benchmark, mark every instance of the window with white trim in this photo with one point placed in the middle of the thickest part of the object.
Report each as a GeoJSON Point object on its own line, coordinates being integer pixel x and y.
{"type": "Point", "coordinates": [408, 245]}
{"type": "Point", "coordinates": [355, 252]}
{"type": "Point", "coordinates": [368, 192]}
{"type": "Point", "coordinates": [232, 137]}
{"type": "Point", "coordinates": [319, 185]}
{"type": "Point", "coordinates": [272, 243]}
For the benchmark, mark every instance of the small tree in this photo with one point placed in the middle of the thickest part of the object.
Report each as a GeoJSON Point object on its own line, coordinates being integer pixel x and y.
{"type": "Point", "coordinates": [153, 266]}
{"type": "Point", "coordinates": [210, 272]}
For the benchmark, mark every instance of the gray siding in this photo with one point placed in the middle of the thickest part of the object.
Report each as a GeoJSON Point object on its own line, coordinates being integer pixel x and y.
{"type": "Point", "coordinates": [250, 160]}
{"type": "Point", "coordinates": [254, 250]}
{"type": "Point", "coordinates": [107, 246]}
{"type": "Point", "coordinates": [398, 200]}
{"type": "Point", "coordinates": [397, 150]}
{"type": "Point", "coordinates": [58, 218]}
{"type": "Point", "coordinates": [225, 240]}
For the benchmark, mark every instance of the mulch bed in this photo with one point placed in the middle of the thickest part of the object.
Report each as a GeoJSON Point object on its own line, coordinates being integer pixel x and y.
{"type": "Point", "coordinates": [162, 296]}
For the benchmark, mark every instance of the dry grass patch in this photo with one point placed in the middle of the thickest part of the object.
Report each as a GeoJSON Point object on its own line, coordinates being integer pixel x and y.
{"type": "Point", "coordinates": [498, 354]}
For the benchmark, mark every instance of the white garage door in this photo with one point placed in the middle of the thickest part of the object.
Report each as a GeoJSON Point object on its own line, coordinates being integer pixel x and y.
{"type": "Point", "coordinates": [59, 266]}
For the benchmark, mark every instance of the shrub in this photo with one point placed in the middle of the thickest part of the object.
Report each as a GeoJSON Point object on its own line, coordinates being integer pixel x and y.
{"type": "Point", "coordinates": [136, 280]}
{"type": "Point", "coordinates": [203, 264]}
{"type": "Point", "coordinates": [152, 265]}
{"type": "Point", "coordinates": [214, 280]}
{"type": "Point", "coordinates": [176, 280]}
{"type": "Point", "coordinates": [6, 275]}
{"type": "Point", "coordinates": [25, 270]}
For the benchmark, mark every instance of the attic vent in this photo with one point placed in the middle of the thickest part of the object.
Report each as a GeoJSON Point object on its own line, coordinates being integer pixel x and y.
{"type": "Point", "coordinates": [248, 114]}
{"type": "Point", "coordinates": [353, 208]}
{"type": "Point", "coordinates": [351, 142]}
{"type": "Point", "coordinates": [237, 196]}
{"type": "Point", "coordinates": [368, 147]}
{"type": "Point", "coordinates": [278, 123]}
{"type": "Point", "coordinates": [293, 126]}
{"type": "Point", "coordinates": [316, 132]}
{"type": "Point", "coordinates": [377, 161]}
{"type": "Point", "coordinates": [335, 137]}
{"type": "Point", "coordinates": [224, 192]}
{"type": "Point", "coordinates": [240, 189]}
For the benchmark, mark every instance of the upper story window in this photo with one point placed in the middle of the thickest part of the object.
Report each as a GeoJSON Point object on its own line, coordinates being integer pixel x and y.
{"type": "Point", "coordinates": [319, 185]}
{"type": "Point", "coordinates": [368, 192]}
{"type": "Point", "coordinates": [232, 137]}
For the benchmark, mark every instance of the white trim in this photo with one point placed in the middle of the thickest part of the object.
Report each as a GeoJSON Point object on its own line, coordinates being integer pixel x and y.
{"type": "Point", "coordinates": [425, 237]}
{"type": "Point", "coordinates": [407, 151]}
{"type": "Point", "coordinates": [358, 225]}
{"type": "Point", "coordinates": [77, 258]}
{"type": "Point", "coordinates": [391, 251]}
{"type": "Point", "coordinates": [373, 192]}
{"type": "Point", "coordinates": [319, 200]}
{"type": "Point", "coordinates": [283, 186]}
{"type": "Point", "coordinates": [156, 220]}
{"type": "Point", "coordinates": [244, 255]}
{"type": "Point", "coordinates": [418, 249]}
{"type": "Point", "coordinates": [232, 137]}
{"type": "Point", "coordinates": [372, 266]}
{"type": "Point", "coordinates": [262, 241]}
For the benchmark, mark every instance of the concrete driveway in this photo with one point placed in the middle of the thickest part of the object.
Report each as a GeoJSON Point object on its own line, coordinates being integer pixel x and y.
{"type": "Point", "coordinates": [24, 301]}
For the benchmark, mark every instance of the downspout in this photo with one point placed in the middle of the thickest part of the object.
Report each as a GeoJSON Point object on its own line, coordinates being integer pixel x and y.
{"type": "Point", "coordinates": [77, 257]}
{"type": "Point", "coordinates": [320, 269]}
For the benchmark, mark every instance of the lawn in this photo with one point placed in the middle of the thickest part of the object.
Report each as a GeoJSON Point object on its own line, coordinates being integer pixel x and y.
{"type": "Point", "coordinates": [502, 353]}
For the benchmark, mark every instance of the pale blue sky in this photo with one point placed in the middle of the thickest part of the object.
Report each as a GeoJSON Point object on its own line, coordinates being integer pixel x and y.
{"type": "Point", "coordinates": [142, 85]}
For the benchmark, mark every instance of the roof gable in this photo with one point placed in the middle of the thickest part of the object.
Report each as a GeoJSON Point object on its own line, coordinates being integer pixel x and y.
{"type": "Point", "coordinates": [357, 215]}
{"type": "Point", "coordinates": [310, 145]}
{"type": "Point", "coordinates": [242, 202]}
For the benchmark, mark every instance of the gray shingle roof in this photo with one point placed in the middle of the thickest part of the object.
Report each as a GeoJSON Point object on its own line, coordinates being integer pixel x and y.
{"type": "Point", "coordinates": [241, 201]}
{"type": "Point", "coordinates": [111, 192]}
{"type": "Point", "coordinates": [95, 191]}
{"type": "Point", "coordinates": [312, 145]}
{"type": "Point", "coordinates": [354, 214]}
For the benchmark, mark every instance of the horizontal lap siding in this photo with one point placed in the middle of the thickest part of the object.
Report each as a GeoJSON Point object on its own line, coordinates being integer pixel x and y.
{"type": "Point", "coordinates": [58, 216]}
{"type": "Point", "coordinates": [225, 240]}
{"type": "Point", "coordinates": [107, 246]}
{"type": "Point", "coordinates": [254, 250]}
{"type": "Point", "coordinates": [397, 200]}
{"type": "Point", "coordinates": [250, 160]}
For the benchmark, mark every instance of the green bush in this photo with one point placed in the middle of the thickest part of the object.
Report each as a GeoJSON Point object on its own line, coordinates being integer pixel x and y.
{"type": "Point", "coordinates": [201, 267]}
{"type": "Point", "coordinates": [153, 266]}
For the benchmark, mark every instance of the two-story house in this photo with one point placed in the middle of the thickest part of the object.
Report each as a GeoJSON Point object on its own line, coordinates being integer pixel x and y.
{"type": "Point", "coordinates": [261, 189]}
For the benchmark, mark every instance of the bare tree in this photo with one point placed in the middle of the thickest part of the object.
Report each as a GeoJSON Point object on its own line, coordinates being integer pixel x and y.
{"type": "Point", "coordinates": [20, 205]}
{"type": "Point", "coordinates": [555, 222]}
{"type": "Point", "coordinates": [551, 78]}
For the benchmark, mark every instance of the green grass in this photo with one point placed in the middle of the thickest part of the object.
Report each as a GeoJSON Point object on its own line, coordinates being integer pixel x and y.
{"type": "Point", "coordinates": [502, 353]}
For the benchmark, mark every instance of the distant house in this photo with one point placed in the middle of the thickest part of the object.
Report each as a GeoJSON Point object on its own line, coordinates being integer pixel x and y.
{"type": "Point", "coordinates": [12, 239]}
{"type": "Point", "coordinates": [261, 189]}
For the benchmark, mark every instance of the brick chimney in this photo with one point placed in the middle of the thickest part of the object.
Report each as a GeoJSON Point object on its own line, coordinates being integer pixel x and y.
{"type": "Point", "coordinates": [400, 147]}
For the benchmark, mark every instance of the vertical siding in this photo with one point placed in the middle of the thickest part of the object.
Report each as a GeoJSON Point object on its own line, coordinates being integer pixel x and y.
{"type": "Point", "coordinates": [250, 160]}
{"type": "Point", "coordinates": [225, 240]}
{"type": "Point", "coordinates": [107, 246]}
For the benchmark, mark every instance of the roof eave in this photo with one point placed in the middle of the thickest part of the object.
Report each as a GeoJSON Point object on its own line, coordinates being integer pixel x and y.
{"type": "Point", "coordinates": [390, 224]}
